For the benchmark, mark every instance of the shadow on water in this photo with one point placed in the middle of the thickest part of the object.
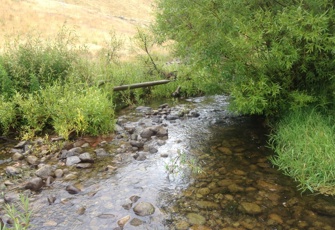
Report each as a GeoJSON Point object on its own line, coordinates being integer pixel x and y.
{"type": "Point", "coordinates": [237, 188]}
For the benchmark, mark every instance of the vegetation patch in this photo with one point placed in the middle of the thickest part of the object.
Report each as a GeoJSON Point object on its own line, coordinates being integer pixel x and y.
{"type": "Point", "coordinates": [304, 142]}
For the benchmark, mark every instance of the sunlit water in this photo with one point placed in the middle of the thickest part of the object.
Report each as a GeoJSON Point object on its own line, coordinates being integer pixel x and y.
{"type": "Point", "coordinates": [236, 189]}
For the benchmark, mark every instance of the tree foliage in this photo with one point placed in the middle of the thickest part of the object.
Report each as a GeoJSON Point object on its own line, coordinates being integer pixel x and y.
{"type": "Point", "coordinates": [271, 55]}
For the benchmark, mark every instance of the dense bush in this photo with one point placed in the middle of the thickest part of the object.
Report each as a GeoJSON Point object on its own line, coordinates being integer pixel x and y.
{"type": "Point", "coordinates": [270, 56]}
{"type": "Point", "coordinates": [34, 63]}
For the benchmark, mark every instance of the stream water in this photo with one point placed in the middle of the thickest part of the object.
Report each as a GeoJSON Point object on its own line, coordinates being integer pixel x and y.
{"type": "Point", "coordinates": [212, 172]}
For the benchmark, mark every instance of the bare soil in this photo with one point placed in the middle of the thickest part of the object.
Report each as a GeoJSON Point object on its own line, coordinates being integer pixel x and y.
{"type": "Point", "coordinates": [91, 20]}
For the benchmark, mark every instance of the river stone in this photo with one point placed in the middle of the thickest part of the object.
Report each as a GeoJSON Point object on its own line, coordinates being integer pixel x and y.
{"type": "Point", "coordinates": [86, 157]}
{"type": "Point", "coordinates": [34, 184]}
{"type": "Point", "coordinates": [250, 208]}
{"type": "Point", "coordinates": [81, 210]}
{"type": "Point", "coordinates": [17, 156]}
{"type": "Point", "coordinates": [152, 149]}
{"type": "Point", "coordinates": [208, 205]}
{"type": "Point", "coordinates": [44, 171]}
{"type": "Point", "coordinates": [147, 132]}
{"type": "Point", "coordinates": [12, 171]}
{"type": "Point", "coordinates": [144, 209]}
{"type": "Point", "coordinates": [71, 176]}
{"type": "Point", "coordinates": [75, 151]}
{"type": "Point", "coordinates": [234, 188]}
{"type": "Point", "coordinates": [72, 189]}
{"type": "Point", "coordinates": [181, 225]}
{"type": "Point", "coordinates": [202, 227]}
{"type": "Point", "coordinates": [33, 160]}
{"type": "Point", "coordinates": [324, 208]}
{"type": "Point", "coordinates": [59, 173]}
{"type": "Point", "coordinates": [84, 165]}
{"type": "Point", "coordinates": [50, 223]}
{"type": "Point", "coordinates": [122, 222]}
{"type": "Point", "coordinates": [101, 152]}
{"type": "Point", "coordinates": [171, 117]}
{"type": "Point", "coordinates": [72, 160]}
{"type": "Point", "coordinates": [161, 131]}
{"type": "Point", "coordinates": [194, 218]}
{"type": "Point", "coordinates": [134, 198]}
{"type": "Point", "coordinates": [137, 144]}
{"type": "Point", "coordinates": [140, 156]}
{"type": "Point", "coordinates": [20, 145]}
{"type": "Point", "coordinates": [144, 109]}
{"type": "Point", "coordinates": [225, 150]}
{"type": "Point", "coordinates": [276, 218]}
{"type": "Point", "coordinates": [136, 222]}
{"type": "Point", "coordinates": [204, 191]}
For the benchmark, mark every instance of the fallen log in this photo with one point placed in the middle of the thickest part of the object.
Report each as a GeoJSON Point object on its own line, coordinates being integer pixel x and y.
{"type": "Point", "coordinates": [140, 85]}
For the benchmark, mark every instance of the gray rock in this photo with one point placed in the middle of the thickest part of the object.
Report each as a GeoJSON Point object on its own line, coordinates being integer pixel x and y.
{"type": "Point", "coordinates": [21, 144]}
{"type": "Point", "coordinates": [12, 171]}
{"type": "Point", "coordinates": [161, 131]}
{"type": "Point", "coordinates": [144, 109]}
{"type": "Point", "coordinates": [86, 157]}
{"type": "Point", "coordinates": [17, 156]}
{"type": "Point", "coordinates": [136, 222]}
{"type": "Point", "coordinates": [72, 189]}
{"type": "Point", "coordinates": [34, 184]}
{"type": "Point", "coordinates": [141, 156]}
{"type": "Point", "coordinates": [152, 149]}
{"type": "Point", "coordinates": [59, 173]}
{"type": "Point", "coordinates": [137, 144]}
{"type": "Point", "coordinates": [84, 165]}
{"type": "Point", "coordinates": [44, 171]}
{"type": "Point", "coordinates": [32, 160]}
{"type": "Point", "coordinates": [72, 160]}
{"type": "Point", "coordinates": [75, 151]}
{"type": "Point", "coordinates": [144, 209]}
{"type": "Point", "coordinates": [101, 152]}
{"type": "Point", "coordinates": [171, 117]}
{"type": "Point", "coordinates": [147, 132]}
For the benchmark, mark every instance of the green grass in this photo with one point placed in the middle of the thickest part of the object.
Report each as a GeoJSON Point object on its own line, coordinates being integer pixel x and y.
{"type": "Point", "coordinates": [304, 142]}
{"type": "Point", "coordinates": [19, 214]}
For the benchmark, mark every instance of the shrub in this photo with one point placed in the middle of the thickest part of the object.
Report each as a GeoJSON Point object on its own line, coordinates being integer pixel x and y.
{"type": "Point", "coordinates": [269, 55]}
{"type": "Point", "coordinates": [7, 115]}
{"type": "Point", "coordinates": [35, 63]}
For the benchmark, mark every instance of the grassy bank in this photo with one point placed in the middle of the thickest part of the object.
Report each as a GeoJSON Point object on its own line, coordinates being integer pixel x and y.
{"type": "Point", "coordinates": [54, 86]}
{"type": "Point", "coordinates": [304, 141]}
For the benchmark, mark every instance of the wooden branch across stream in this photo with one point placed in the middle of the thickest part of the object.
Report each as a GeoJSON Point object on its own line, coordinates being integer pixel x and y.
{"type": "Point", "coordinates": [140, 85]}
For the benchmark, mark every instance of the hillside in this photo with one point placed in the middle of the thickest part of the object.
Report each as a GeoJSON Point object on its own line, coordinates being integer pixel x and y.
{"type": "Point", "coordinates": [92, 20]}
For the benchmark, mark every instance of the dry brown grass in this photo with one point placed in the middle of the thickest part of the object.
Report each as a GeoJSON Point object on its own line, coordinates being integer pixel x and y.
{"type": "Point", "coordinates": [92, 20]}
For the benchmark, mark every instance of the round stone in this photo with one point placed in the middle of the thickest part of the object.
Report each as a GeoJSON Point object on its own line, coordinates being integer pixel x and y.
{"type": "Point", "coordinates": [144, 209]}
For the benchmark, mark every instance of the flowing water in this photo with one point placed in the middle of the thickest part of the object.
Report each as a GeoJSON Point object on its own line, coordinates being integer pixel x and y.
{"type": "Point", "coordinates": [212, 172]}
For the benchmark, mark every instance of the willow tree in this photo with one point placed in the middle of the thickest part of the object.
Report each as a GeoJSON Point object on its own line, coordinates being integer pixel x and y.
{"type": "Point", "coordinates": [271, 55]}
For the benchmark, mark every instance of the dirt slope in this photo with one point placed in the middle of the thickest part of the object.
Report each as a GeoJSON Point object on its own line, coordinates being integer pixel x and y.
{"type": "Point", "coordinates": [92, 20]}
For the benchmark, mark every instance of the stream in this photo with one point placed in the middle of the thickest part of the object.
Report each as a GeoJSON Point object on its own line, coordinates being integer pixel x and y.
{"type": "Point", "coordinates": [211, 172]}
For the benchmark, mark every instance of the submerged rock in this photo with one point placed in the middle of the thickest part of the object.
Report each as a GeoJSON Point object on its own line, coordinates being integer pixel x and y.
{"type": "Point", "coordinates": [122, 222]}
{"type": "Point", "coordinates": [72, 189]}
{"type": "Point", "coordinates": [144, 209]}
{"type": "Point", "coordinates": [250, 208]}
{"type": "Point", "coordinates": [195, 218]}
